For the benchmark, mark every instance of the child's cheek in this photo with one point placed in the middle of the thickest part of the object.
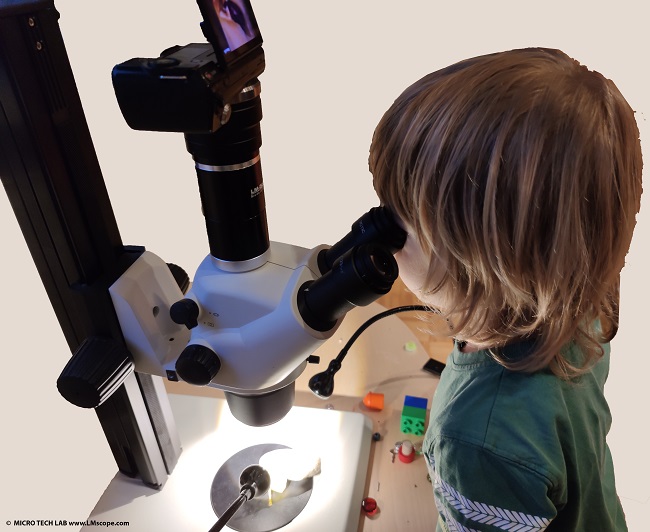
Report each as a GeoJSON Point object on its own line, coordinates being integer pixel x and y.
{"type": "Point", "coordinates": [412, 270]}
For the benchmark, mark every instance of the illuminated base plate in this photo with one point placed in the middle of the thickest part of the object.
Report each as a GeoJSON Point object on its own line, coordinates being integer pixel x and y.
{"type": "Point", "coordinates": [210, 436]}
{"type": "Point", "coordinates": [259, 514]}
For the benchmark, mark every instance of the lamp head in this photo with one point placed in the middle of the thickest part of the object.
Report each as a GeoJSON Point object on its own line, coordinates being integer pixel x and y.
{"type": "Point", "coordinates": [322, 384]}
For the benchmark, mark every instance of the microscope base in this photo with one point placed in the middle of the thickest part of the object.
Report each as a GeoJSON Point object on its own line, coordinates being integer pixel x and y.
{"type": "Point", "coordinates": [210, 436]}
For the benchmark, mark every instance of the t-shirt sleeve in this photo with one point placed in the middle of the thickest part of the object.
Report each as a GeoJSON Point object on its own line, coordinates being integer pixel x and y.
{"type": "Point", "coordinates": [477, 489]}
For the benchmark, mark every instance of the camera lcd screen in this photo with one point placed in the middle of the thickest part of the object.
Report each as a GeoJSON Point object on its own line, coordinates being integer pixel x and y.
{"type": "Point", "coordinates": [233, 30]}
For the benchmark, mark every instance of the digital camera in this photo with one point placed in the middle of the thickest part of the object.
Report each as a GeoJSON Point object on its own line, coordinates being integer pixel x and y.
{"type": "Point", "coordinates": [189, 89]}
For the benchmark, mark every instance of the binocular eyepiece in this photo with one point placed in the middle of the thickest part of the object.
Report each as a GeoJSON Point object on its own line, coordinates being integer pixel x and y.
{"type": "Point", "coordinates": [357, 270]}
{"type": "Point", "coordinates": [377, 226]}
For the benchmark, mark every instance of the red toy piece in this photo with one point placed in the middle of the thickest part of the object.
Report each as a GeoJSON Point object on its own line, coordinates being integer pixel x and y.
{"type": "Point", "coordinates": [406, 452]}
{"type": "Point", "coordinates": [369, 505]}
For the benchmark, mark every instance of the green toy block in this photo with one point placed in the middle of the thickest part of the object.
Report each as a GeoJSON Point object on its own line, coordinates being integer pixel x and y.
{"type": "Point", "coordinates": [413, 420]}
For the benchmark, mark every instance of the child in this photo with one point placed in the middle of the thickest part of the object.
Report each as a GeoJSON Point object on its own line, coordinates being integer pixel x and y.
{"type": "Point", "coordinates": [517, 176]}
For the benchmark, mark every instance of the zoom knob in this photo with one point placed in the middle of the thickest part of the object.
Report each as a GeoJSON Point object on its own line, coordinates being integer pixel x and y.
{"type": "Point", "coordinates": [198, 365]}
{"type": "Point", "coordinates": [185, 312]}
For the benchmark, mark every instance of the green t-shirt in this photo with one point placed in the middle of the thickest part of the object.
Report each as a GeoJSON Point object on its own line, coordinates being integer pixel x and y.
{"type": "Point", "coordinates": [514, 451]}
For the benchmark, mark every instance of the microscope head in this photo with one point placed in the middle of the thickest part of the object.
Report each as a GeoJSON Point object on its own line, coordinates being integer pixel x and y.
{"type": "Point", "coordinates": [253, 332]}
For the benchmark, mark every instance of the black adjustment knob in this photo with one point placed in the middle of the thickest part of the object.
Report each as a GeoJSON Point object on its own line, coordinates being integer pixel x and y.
{"type": "Point", "coordinates": [95, 371]}
{"type": "Point", "coordinates": [180, 276]}
{"type": "Point", "coordinates": [185, 312]}
{"type": "Point", "coordinates": [198, 365]}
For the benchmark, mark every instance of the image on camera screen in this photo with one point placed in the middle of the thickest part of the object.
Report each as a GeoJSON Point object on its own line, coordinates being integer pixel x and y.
{"type": "Point", "coordinates": [237, 23]}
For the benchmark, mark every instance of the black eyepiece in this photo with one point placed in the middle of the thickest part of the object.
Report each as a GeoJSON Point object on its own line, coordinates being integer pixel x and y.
{"type": "Point", "coordinates": [359, 277]}
{"type": "Point", "coordinates": [377, 226]}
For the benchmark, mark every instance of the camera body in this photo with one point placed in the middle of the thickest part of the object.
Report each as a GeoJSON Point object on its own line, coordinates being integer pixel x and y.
{"type": "Point", "coordinates": [189, 89]}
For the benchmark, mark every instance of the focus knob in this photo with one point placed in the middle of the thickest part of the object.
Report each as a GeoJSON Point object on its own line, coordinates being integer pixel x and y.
{"type": "Point", "coordinates": [185, 312]}
{"type": "Point", "coordinates": [198, 365]}
{"type": "Point", "coordinates": [98, 368]}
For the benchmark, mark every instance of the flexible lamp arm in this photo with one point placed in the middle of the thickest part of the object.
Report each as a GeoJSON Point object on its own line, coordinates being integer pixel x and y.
{"type": "Point", "coordinates": [322, 384]}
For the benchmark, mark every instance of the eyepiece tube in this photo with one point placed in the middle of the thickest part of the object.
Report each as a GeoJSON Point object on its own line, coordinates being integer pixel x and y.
{"type": "Point", "coordinates": [359, 277]}
{"type": "Point", "coordinates": [377, 226]}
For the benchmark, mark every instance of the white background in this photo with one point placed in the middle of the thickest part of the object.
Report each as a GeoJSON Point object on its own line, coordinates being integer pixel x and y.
{"type": "Point", "coordinates": [332, 70]}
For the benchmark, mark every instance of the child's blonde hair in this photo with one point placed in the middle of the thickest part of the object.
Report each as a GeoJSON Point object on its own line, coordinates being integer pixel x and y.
{"type": "Point", "coordinates": [520, 174]}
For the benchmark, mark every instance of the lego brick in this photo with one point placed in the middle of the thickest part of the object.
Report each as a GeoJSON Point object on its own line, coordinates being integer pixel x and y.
{"type": "Point", "coordinates": [411, 425]}
{"type": "Point", "coordinates": [417, 402]}
{"type": "Point", "coordinates": [415, 413]}
{"type": "Point", "coordinates": [413, 420]}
